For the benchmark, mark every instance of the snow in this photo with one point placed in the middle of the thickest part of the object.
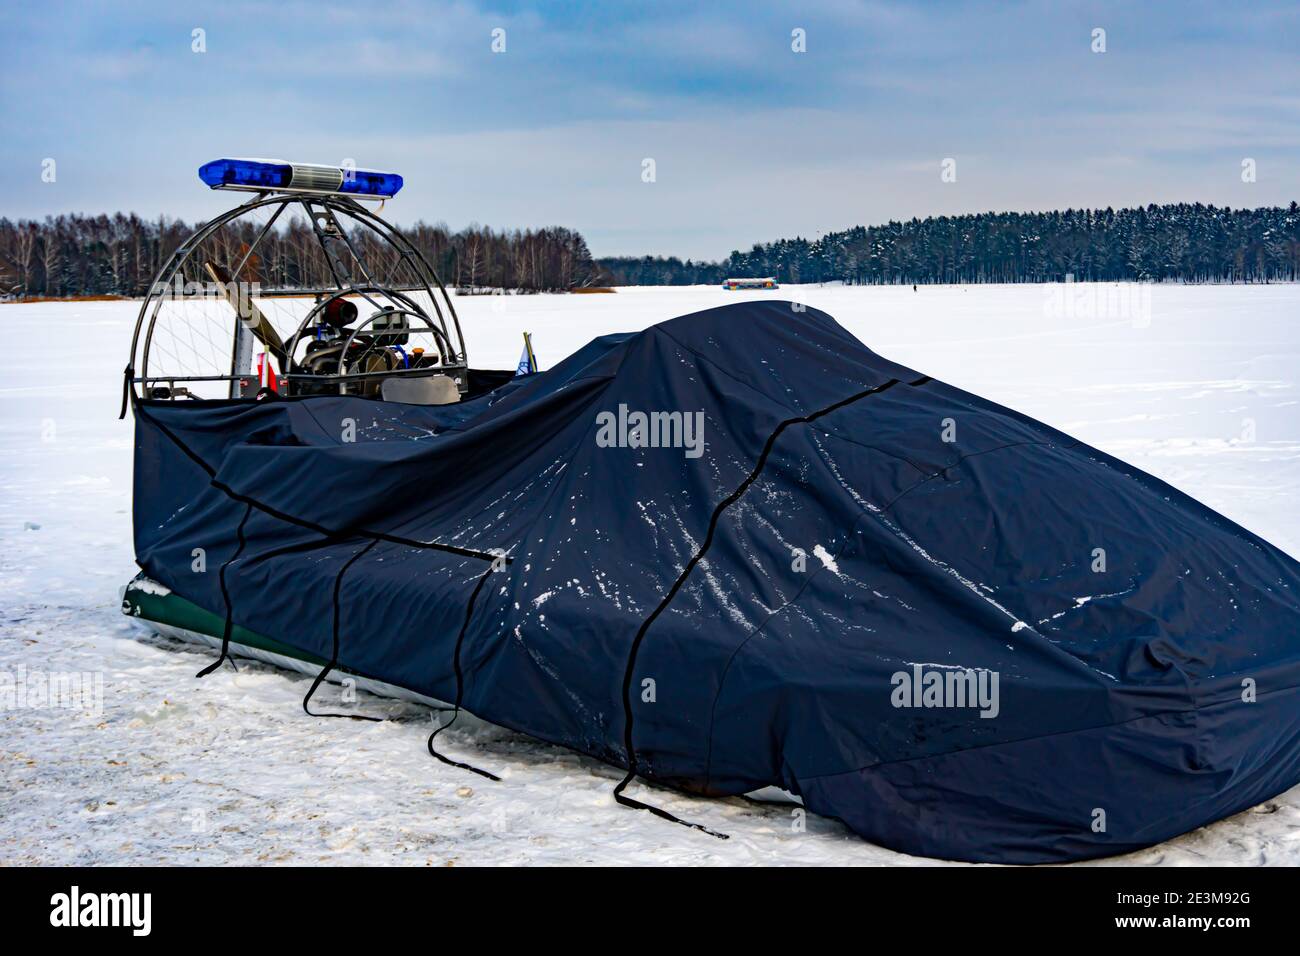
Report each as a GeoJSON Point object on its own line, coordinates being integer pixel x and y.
{"type": "Point", "coordinates": [826, 558]}
{"type": "Point", "coordinates": [1202, 391]}
{"type": "Point", "coordinates": [149, 586]}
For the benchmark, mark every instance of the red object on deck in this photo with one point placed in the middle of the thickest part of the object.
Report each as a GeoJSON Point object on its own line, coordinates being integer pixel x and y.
{"type": "Point", "coordinates": [266, 373]}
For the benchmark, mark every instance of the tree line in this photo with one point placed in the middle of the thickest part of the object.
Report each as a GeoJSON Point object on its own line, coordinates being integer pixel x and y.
{"type": "Point", "coordinates": [1189, 242]}
{"type": "Point", "coordinates": [71, 255]}
{"type": "Point", "coordinates": [77, 255]}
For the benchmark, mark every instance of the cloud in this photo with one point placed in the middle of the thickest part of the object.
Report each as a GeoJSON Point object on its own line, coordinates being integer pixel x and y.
{"type": "Point", "coordinates": [752, 140]}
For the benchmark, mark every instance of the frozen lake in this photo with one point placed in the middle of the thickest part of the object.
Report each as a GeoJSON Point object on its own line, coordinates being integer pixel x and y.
{"type": "Point", "coordinates": [1198, 385]}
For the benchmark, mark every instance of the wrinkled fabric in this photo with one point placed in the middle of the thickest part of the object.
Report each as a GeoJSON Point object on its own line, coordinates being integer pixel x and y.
{"type": "Point", "coordinates": [1146, 649]}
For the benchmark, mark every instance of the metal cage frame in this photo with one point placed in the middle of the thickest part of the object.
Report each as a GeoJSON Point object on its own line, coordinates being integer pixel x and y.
{"type": "Point", "coordinates": [443, 324]}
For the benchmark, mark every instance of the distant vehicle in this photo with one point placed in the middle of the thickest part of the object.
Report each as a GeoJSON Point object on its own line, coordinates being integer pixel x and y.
{"type": "Point", "coordinates": [731, 285]}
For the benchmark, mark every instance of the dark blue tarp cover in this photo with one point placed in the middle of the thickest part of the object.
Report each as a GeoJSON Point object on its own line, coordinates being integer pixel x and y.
{"type": "Point", "coordinates": [1144, 689]}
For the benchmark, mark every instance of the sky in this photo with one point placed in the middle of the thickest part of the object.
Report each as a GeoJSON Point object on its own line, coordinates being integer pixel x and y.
{"type": "Point", "coordinates": [750, 139]}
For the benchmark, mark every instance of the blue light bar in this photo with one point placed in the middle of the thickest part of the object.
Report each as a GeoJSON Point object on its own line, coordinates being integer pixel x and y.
{"type": "Point", "coordinates": [367, 182]}
{"type": "Point", "coordinates": [278, 176]}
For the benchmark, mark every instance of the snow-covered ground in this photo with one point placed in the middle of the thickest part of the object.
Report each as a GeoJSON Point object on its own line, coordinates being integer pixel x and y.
{"type": "Point", "coordinates": [1198, 385]}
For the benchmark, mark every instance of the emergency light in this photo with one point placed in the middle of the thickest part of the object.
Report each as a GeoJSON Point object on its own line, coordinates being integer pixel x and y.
{"type": "Point", "coordinates": [275, 175]}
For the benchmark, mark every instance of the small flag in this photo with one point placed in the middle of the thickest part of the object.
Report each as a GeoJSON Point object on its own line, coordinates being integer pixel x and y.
{"type": "Point", "coordinates": [265, 373]}
{"type": "Point", "coordinates": [527, 361]}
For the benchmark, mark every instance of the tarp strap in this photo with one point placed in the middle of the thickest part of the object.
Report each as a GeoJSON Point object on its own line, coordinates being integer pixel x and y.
{"type": "Point", "coordinates": [334, 655]}
{"type": "Point", "coordinates": [127, 374]}
{"type": "Point", "coordinates": [225, 596]}
{"type": "Point", "coordinates": [661, 812]}
{"type": "Point", "coordinates": [460, 683]}
{"type": "Point", "coordinates": [629, 672]}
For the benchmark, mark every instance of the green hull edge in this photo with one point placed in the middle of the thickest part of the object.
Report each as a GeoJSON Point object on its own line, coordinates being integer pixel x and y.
{"type": "Point", "coordinates": [173, 610]}
{"type": "Point", "coordinates": [148, 601]}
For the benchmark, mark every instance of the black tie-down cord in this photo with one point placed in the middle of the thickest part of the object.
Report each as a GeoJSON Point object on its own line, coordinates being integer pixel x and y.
{"type": "Point", "coordinates": [731, 499]}
{"type": "Point", "coordinates": [460, 681]}
{"type": "Point", "coordinates": [225, 597]}
{"type": "Point", "coordinates": [334, 654]}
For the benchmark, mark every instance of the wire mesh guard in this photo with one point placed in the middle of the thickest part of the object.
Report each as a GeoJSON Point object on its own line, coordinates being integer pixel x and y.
{"type": "Point", "coordinates": [317, 293]}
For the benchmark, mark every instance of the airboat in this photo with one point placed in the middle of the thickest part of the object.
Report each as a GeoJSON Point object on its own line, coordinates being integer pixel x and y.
{"type": "Point", "coordinates": [908, 632]}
